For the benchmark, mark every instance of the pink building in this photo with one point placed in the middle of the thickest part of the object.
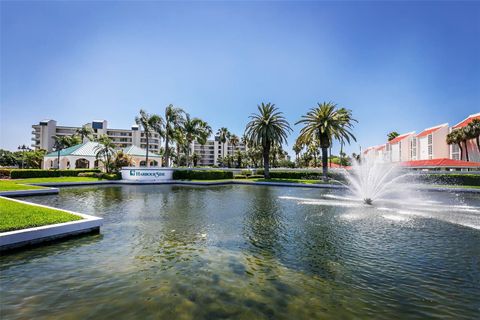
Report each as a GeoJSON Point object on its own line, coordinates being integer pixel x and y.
{"type": "Point", "coordinates": [400, 148]}
{"type": "Point", "coordinates": [431, 143]}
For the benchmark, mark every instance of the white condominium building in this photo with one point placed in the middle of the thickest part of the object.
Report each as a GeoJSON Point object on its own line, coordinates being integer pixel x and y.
{"type": "Point", "coordinates": [213, 150]}
{"type": "Point", "coordinates": [42, 135]}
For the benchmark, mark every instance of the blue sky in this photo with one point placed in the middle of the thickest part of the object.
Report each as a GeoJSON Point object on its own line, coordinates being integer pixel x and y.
{"type": "Point", "coordinates": [400, 66]}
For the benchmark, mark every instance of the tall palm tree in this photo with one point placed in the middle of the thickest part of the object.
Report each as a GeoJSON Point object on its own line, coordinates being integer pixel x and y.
{"type": "Point", "coordinates": [325, 123]}
{"type": "Point", "coordinates": [85, 132]}
{"type": "Point", "coordinates": [193, 129]}
{"type": "Point", "coordinates": [266, 128]}
{"type": "Point", "coordinates": [180, 143]}
{"type": "Point", "coordinates": [475, 131]}
{"type": "Point", "coordinates": [60, 143]}
{"type": "Point", "coordinates": [455, 137]}
{"type": "Point", "coordinates": [173, 118]}
{"type": "Point", "coordinates": [105, 151]}
{"type": "Point", "coordinates": [297, 148]}
{"type": "Point", "coordinates": [466, 133]}
{"type": "Point", "coordinates": [223, 136]}
{"type": "Point", "coordinates": [205, 132]}
{"type": "Point", "coordinates": [234, 140]}
{"type": "Point", "coordinates": [150, 124]}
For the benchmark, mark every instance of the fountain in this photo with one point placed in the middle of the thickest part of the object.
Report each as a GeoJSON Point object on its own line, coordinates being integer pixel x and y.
{"type": "Point", "coordinates": [371, 179]}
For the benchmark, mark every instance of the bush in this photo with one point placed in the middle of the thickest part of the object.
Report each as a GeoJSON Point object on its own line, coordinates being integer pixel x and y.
{"type": "Point", "coordinates": [240, 176]}
{"type": "Point", "coordinates": [302, 175]}
{"type": "Point", "coordinates": [39, 173]}
{"type": "Point", "coordinates": [111, 176]}
{"type": "Point", "coordinates": [5, 173]}
{"type": "Point", "coordinates": [246, 172]}
{"type": "Point", "coordinates": [202, 175]}
{"type": "Point", "coordinates": [452, 179]}
{"type": "Point", "coordinates": [256, 176]}
{"type": "Point", "coordinates": [90, 174]}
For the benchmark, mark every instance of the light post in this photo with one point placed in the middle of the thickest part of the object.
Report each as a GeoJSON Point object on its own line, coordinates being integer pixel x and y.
{"type": "Point", "coordinates": [23, 148]}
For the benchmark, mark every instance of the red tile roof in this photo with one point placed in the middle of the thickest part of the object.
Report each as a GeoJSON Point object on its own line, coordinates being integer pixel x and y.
{"type": "Point", "coordinates": [428, 131]}
{"type": "Point", "coordinates": [380, 147]}
{"type": "Point", "coordinates": [400, 138]}
{"type": "Point", "coordinates": [444, 162]}
{"type": "Point", "coordinates": [465, 122]}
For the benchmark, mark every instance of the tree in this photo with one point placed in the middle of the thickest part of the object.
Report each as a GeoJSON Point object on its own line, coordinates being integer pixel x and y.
{"type": "Point", "coordinates": [195, 158]}
{"type": "Point", "coordinates": [120, 160]}
{"type": "Point", "coordinates": [105, 151]}
{"type": "Point", "coordinates": [325, 123]}
{"type": "Point", "coordinates": [392, 135]}
{"type": "Point", "coordinates": [266, 128]}
{"type": "Point", "coordinates": [234, 141]}
{"type": "Point", "coordinates": [173, 119]}
{"type": "Point", "coordinates": [475, 131]}
{"type": "Point", "coordinates": [62, 142]}
{"type": "Point", "coordinates": [455, 137]}
{"type": "Point", "coordinates": [223, 136]}
{"type": "Point", "coordinates": [180, 144]}
{"type": "Point", "coordinates": [193, 129]}
{"type": "Point", "coordinates": [297, 148]}
{"type": "Point", "coordinates": [465, 135]}
{"type": "Point", "coordinates": [84, 132]}
{"type": "Point", "coordinates": [149, 123]}
{"type": "Point", "coordinates": [7, 158]}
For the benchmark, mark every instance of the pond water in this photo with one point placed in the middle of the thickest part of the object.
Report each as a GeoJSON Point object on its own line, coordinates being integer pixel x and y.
{"type": "Point", "coordinates": [251, 252]}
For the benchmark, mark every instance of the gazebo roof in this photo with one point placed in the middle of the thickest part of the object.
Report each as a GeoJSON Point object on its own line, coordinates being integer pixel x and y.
{"type": "Point", "coordinates": [139, 152]}
{"type": "Point", "coordinates": [87, 149]}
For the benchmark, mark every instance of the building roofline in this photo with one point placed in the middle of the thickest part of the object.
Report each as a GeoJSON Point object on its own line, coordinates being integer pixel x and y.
{"type": "Point", "coordinates": [469, 117]}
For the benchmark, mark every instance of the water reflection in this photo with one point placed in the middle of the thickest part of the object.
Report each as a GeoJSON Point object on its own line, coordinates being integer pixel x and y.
{"type": "Point", "coordinates": [243, 251]}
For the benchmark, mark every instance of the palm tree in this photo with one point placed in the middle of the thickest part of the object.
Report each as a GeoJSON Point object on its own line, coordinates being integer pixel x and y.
{"type": "Point", "coordinates": [392, 135]}
{"type": "Point", "coordinates": [60, 143]}
{"type": "Point", "coordinates": [297, 148]}
{"type": "Point", "coordinates": [173, 118]}
{"type": "Point", "coordinates": [205, 132]}
{"type": "Point", "coordinates": [266, 128]}
{"type": "Point", "coordinates": [223, 135]}
{"type": "Point", "coordinates": [234, 140]}
{"type": "Point", "coordinates": [325, 123]}
{"type": "Point", "coordinates": [84, 132]}
{"type": "Point", "coordinates": [180, 143]}
{"type": "Point", "coordinates": [149, 123]}
{"type": "Point", "coordinates": [193, 129]}
{"type": "Point", "coordinates": [455, 137]}
{"type": "Point", "coordinates": [466, 134]}
{"type": "Point", "coordinates": [475, 131]}
{"type": "Point", "coordinates": [105, 151]}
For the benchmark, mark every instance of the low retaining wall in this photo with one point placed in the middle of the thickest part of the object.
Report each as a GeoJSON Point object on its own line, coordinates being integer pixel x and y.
{"type": "Point", "coordinates": [31, 236]}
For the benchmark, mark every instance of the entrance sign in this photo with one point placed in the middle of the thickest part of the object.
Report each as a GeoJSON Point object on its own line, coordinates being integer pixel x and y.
{"type": "Point", "coordinates": [146, 174]}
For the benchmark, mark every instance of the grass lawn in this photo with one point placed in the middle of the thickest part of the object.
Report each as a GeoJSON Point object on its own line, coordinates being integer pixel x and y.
{"type": "Point", "coordinates": [20, 184]}
{"type": "Point", "coordinates": [15, 216]}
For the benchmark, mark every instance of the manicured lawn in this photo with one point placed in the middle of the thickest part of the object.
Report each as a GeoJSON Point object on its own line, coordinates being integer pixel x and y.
{"type": "Point", "coordinates": [20, 184]}
{"type": "Point", "coordinates": [15, 216]}
{"type": "Point", "coordinates": [455, 186]}
{"type": "Point", "coordinates": [56, 179]}
{"type": "Point", "coordinates": [11, 185]}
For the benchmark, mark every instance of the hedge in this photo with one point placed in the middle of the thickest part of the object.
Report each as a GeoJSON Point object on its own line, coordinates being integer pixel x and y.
{"type": "Point", "coordinates": [202, 175]}
{"type": "Point", "coordinates": [302, 175]}
{"type": "Point", "coordinates": [39, 173]}
{"type": "Point", "coordinates": [452, 179]}
{"type": "Point", "coordinates": [5, 173]}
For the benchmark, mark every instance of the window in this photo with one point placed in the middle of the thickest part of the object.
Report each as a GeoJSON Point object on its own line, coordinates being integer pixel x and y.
{"type": "Point", "coordinates": [430, 147]}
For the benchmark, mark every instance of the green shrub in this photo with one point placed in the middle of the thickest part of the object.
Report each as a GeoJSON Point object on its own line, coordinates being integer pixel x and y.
{"type": "Point", "coordinates": [240, 176]}
{"type": "Point", "coordinates": [202, 175]}
{"type": "Point", "coordinates": [256, 176]}
{"type": "Point", "coordinates": [246, 172]}
{"type": "Point", "coordinates": [39, 173]}
{"type": "Point", "coordinates": [90, 174]}
{"type": "Point", "coordinates": [5, 173]}
{"type": "Point", "coordinates": [111, 176]}
{"type": "Point", "coordinates": [302, 175]}
{"type": "Point", "coordinates": [452, 179]}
